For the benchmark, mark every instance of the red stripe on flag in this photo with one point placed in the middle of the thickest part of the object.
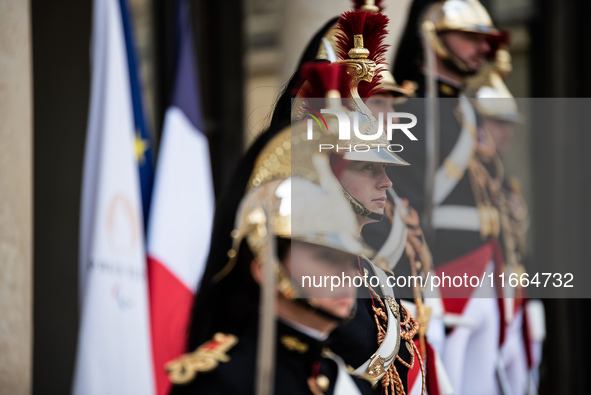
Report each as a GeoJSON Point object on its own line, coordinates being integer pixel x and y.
{"type": "Point", "coordinates": [170, 308]}
{"type": "Point", "coordinates": [499, 261]}
{"type": "Point", "coordinates": [526, 336]}
{"type": "Point", "coordinates": [472, 264]}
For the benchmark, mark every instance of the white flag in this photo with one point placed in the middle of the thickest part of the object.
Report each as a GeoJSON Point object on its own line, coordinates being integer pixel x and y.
{"type": "Point", "coordinates": [182, 210]}
{"type": "Point", "coordinates": [114, 354]}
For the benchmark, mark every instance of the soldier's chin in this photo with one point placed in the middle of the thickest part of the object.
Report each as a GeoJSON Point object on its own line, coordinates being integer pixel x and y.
{"type": "Point", "coordinates": [378, 209]}
{"type": "Point", "coordinates": [453, 67]}
{"type": "Point", "coordinates": [343, 311]}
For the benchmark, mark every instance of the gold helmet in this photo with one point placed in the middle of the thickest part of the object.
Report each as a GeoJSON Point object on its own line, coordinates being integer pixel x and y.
{"type": "Point", "coordinates": [293, 199]}
{"type": "Point", "coordinates": [493, 100]}
{"type": "Point", "coordinates": [348, 44]}
{"type": "Point", "coordinates": [458, 15]}
{"type": "Point", "coordinates": [305, 199]}
{"type": "Point", "coordinates": [298, 209]}
{"type": "Point", "coordinates": [489, 93]}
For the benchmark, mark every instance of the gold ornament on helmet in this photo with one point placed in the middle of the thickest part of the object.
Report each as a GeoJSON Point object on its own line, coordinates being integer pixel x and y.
{"type": "Point", "coordinates": [460, 15]}
{"type": "Point", "coordinates": [385, 80]}
{"type": "Point", "coordinates": [357, 53]}
{"type": "Point", "coordinates": [368, 5]}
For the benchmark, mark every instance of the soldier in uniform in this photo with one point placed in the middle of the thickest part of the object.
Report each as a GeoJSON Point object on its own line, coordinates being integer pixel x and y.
{"type": "Point", "coordinates": [453, 179]}
{"type": "Point", "coordinates": [364, 182]}
{"type": "Point", "coordinates": [520, 351]}
{"type": "Point", "coordinates": [401, 243]}
{"type": "Point", "coordinates": [377, 342]}
{"type": "Point", "coordinates": [292, 222]}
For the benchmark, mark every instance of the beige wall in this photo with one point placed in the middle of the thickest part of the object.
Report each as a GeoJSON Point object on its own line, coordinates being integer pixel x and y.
{"type": "Point", "coordinates": [15, 198]}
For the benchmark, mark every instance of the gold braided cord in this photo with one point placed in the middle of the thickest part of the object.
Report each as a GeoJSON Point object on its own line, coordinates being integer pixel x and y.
{"type": "Point", "coordinates": [514, 224]}
{"type": "Point", "coordinates": [486, 187]}
{"type": "Point", "coordinates": [423, 375]}
{"type": "Point", "coordinates": [422, 316]}
{"type": "Point", "coordinates": [511, 208]}
{"type": "Point", "coordinates": [415, 246]}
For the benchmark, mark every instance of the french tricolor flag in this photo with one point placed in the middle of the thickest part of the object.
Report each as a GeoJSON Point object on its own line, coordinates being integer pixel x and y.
{"type": "Point", "coordinates": [182, 208]}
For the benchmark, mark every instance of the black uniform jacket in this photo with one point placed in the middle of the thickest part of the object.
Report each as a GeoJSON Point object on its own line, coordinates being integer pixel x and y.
{"type": "Point", "coordinates": [409, 181]}
{"type": "Point", "coordinates": [357, 340]}
{"type": "Point", "coordinates": [298, 360]}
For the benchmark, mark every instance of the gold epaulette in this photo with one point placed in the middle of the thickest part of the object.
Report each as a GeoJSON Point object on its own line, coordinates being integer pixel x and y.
{"type": "Point", "coordinates": [204, 359]}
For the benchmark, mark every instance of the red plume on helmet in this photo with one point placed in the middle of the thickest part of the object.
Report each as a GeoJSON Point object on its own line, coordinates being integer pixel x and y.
{"type": "Point", "coordinates": [324, 80]}
{"type": "Point", "coordinates": [324, 77]}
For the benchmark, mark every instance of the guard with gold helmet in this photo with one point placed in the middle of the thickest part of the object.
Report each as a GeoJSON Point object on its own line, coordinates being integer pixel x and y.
{"type": "Point", "coordinates": [520, 351]}
{"type": "Point", "coordinates": [456, 36]}
{"type": "Point", "coordinates": [404, 248]}
{"type": "Point", "coordinates": [453, 180]}
{"type": "Point", "coordinates": [364, 183]}
{"type": "Point", "coordinates": [291, 223]}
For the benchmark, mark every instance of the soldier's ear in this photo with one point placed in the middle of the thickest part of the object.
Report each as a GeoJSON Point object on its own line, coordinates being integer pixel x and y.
{"type": "Point", "coordinates": [256, 270]}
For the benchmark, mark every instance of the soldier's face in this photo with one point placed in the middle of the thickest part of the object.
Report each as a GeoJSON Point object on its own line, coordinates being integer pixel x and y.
{"type": "Point", "coordinates": [471, 48]}
{"type": "Point", "coordinates": [501, 132]}
{"type": "Point", "coordinates": [317, 262]}
{"type": "Point", "coordinates": [367, 182]}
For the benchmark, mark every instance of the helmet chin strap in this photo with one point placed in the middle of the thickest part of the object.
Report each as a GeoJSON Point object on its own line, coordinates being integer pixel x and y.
{"type": "Point", "coordinates": [360, 208]}
{"type": "Point", "coordinates": [453, 63]}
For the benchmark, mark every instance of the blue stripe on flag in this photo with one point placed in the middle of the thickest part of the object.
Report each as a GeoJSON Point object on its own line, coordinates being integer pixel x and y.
{"type": "Point", "coordinates": [186, 87]}
{"type": "Point", "coordinates": [143, 138]}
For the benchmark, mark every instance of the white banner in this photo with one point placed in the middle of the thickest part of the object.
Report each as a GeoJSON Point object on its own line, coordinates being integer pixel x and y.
{"type": "Point", "coordinates": [114, 355]}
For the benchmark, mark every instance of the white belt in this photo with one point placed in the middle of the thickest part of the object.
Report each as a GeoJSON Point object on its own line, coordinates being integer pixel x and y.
{"type": "Point", "coordinates": [374, 368]}
{"type": "Point", "coordinates": [459, 155]}
{"type": "Point", "coordinates": [456, 217]}
{"type": "Point", "coordinates": [344, 384]}
{"type": "Point", "coordinates": [394, 246]}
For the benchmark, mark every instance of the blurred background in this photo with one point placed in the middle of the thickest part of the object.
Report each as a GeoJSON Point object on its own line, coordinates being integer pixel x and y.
{"type": "Point", "coordinates": [246, 52]}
